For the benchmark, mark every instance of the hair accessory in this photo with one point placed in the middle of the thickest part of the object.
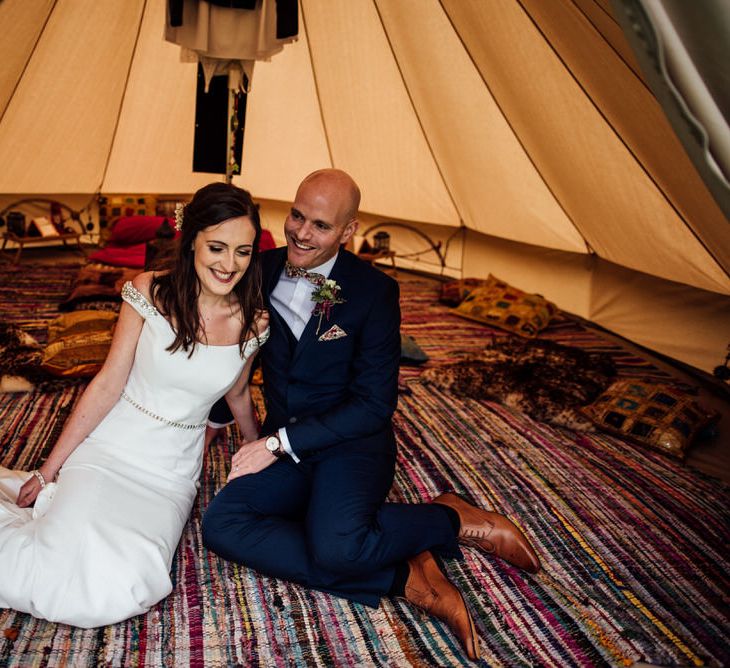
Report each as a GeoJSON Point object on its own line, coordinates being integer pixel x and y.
{"type": "Point", "coordinates": [179, 213]}
{"type": "Point", "coordinates": [40, 478]}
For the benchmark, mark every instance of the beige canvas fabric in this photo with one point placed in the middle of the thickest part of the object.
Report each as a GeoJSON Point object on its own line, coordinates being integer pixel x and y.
{"type": "Point", "coordinates": [521, 135]}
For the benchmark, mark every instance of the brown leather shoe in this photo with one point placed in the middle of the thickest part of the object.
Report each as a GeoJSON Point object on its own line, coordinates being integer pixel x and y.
{"type": "Point", "coordinates": [491, 532]}
{"type": "Point", "coordinates": [429, 589]}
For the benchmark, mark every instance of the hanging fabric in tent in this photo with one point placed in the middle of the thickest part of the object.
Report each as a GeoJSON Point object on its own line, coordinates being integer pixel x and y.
{"type": "Point", "coordinates": [226, 39]}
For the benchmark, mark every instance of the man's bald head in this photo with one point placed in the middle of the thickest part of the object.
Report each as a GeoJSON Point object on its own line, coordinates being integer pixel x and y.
{"type": "Point", "coordinates": [323, 217]}
{"type": "Point", "coordinates": [340, 185]}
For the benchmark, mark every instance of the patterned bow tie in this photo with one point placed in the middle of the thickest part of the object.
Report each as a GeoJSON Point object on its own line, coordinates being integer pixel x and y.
{"type": "Point", "coordinates": [298, 272]}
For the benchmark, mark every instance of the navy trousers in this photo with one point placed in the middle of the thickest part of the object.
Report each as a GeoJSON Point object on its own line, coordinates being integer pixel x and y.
{"type": "Point", "coordinates": [323, 523]}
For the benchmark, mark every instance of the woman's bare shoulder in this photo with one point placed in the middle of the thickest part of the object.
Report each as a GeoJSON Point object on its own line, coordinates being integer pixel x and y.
{"type": "Point", "coordinates": [143, 283]}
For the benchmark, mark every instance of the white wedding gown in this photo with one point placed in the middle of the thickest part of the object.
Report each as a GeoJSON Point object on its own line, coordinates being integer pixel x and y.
{"type": "Point", "coordinates": [98, 545]}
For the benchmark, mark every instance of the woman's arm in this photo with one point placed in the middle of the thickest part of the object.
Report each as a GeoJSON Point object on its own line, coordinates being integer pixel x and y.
{"type": "Point", "coordinates": [97, 400]}
{"type": "Point", "coordinates": [239, 401]}
{"type": "Point", "coordinates": [238, 397]}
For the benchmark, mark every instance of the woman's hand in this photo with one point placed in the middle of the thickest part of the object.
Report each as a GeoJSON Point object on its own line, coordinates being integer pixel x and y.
{"type": "Point", "coordinates": [32, 487]}
{"type": "Point", "coordinates": [250, 458]}
{"type": "Point", "coordinates": [28, 492]}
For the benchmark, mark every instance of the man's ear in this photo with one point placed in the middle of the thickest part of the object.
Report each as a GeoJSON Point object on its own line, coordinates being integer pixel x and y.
{"type": "Point", "coordinates": [350, 230]}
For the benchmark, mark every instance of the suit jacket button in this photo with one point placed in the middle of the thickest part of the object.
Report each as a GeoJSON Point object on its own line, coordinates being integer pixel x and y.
{"type": "Point", "coordinates": [292, 420]}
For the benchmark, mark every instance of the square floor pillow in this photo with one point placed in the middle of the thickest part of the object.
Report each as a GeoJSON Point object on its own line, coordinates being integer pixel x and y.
{"type": "Point", "coordinates": [80, 343]}
{"type": "Point", "coordinates": [501, 305]}
{"type": "Point", "coordinates": [80, 322]}
{"type": "Point", "coordinates": [650, 413]}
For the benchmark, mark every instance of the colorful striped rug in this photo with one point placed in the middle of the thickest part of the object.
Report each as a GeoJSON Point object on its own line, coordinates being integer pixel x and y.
{"type": "Point", "coordinates": [634, 546]}
{"type": "Point", "coordinates": [30, 294]}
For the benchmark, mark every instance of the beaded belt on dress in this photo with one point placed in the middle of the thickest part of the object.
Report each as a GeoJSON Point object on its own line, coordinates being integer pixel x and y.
{"type": "Point", "coordinates": [172, 423]}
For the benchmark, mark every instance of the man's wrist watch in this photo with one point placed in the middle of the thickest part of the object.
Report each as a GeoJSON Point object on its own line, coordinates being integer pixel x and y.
{"type": "Point", "coordinates": [273, 445]}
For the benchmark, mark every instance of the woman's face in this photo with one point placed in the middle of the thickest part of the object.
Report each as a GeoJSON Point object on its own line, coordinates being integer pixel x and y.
{"type": "Point", "coordinates": [222, 254]}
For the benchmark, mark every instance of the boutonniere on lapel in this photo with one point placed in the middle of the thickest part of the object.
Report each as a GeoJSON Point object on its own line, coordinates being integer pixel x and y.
{"type": "Point", "coordinates": [325, 296]}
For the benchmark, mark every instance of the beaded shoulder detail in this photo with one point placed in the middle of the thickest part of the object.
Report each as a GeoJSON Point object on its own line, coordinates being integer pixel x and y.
{"type": "Point", "coordinates": [137, 300]}
{"type": "Point", "coordinates": [253, 344]}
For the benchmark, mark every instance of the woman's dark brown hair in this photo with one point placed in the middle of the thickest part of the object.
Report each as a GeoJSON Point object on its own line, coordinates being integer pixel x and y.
{"type": "Point", "coordinates": [176, 291]}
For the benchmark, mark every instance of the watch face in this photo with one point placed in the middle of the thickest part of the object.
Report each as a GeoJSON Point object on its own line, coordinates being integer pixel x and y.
{"type": "Point", "coordinates": [272, 444]}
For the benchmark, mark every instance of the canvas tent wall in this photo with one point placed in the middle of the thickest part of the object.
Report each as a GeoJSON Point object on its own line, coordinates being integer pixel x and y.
{"type": "Point", "coordinates": [520, 133]}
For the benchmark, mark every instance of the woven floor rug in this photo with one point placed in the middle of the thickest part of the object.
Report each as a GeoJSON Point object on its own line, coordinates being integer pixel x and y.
{"type": "Point", "coordinates": [30, 294]}
{"type": "Point", "coordinates": [634, 546]}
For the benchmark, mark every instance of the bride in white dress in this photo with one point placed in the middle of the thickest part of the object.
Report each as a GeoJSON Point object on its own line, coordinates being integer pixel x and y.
{"type": "Point", "coordinates": [98, 544]}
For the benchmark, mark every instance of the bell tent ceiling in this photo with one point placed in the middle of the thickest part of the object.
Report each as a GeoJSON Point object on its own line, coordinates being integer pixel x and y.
{"type": "Point", "coordinates": [521, 134]}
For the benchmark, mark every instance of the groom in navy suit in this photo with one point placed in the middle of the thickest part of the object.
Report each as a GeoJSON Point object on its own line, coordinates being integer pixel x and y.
{"type": "Point", "coordinates": [306, 502]}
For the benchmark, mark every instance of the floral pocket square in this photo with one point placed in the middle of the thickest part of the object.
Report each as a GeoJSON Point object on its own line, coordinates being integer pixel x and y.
{"type": "Point", "coordinates": [333, 333]}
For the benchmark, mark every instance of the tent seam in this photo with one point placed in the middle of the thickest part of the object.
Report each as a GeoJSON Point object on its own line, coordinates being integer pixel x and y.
{"type": "Point", "coordinates": [617, 134]}
{"type": "Point", "coordinates": [316, 87]}
{"type": "Point", "coordinates": [27, 62]}
{"type": "Point", "coordinates": [417, 115]}
{"type": "Point", "coordinates": [124, 95]}
{"type": "Point", "coordinates": [514, 132]}
{"type": "Point", "coordinates": [612, 18]}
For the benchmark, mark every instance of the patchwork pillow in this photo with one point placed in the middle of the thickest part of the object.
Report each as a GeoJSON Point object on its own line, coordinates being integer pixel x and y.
{"type": "Point", "coordinates": [499, 304]}
{"type": "Point", "coordinates": [452, 293]}
{"type": "Point", "coordinates": [650, 413]}
{"type": "Point", "coordinates": [81, 344]}
{"type": "Point", "coordinates": [114, 206]}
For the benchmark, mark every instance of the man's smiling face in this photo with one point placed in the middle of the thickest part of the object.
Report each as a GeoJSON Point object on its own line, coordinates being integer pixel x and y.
{"type": "Point", "coordinates": [318, 223]}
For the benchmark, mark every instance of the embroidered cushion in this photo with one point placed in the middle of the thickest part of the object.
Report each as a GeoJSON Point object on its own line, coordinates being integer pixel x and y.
{"type": "Point", "coordinates": [499, 304]}
{"type": "Point", "coordinates": [80, 344]}
{"type": "Point", "coordinates": [116, 206]}
{"type": "Point", "coordinates": [80, 322]}
{"type": "Point", "coordinates": [649, 413]}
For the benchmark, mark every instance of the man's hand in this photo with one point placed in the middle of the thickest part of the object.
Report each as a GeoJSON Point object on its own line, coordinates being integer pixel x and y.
{"type": "Point", "coordinates": [251, 458]}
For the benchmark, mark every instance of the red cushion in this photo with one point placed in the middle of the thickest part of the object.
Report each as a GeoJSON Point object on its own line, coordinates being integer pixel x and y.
{"type": "Point", "coordinates": [135, 229]}
{"type": "Point", "coordinates": [120, 256]}
{"type": "Point", "coordinates": [267, 241]}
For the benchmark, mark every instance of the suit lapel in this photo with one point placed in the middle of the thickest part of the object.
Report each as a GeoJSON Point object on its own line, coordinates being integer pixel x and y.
{"type": "Point", "coordinates": [272, 271]}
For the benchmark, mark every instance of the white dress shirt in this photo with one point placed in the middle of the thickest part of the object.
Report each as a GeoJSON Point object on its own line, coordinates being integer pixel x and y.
{"type": "Point", "coordinates": [292, 299]}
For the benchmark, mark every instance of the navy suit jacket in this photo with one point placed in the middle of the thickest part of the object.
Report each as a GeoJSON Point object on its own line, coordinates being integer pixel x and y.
{"type": "Point", "coordinates": [329, 392]}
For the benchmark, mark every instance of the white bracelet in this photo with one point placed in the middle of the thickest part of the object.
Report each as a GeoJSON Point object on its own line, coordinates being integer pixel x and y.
{"type": "Point", "coordinates": [40, 478]}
